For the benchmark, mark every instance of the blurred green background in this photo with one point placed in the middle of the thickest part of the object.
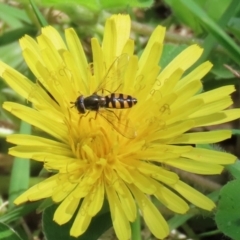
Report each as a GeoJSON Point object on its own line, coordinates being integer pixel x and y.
{"type": "Point", "coordinates": [213, 24]}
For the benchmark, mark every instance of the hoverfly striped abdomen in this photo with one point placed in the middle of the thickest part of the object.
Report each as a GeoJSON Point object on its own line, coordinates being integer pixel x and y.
{"type": "Point", "coordinates": [119, 100]}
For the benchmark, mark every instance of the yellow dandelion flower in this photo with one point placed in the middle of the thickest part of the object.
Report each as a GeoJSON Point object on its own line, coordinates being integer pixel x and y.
{"type": "Point", "coordinates": [124, 154]}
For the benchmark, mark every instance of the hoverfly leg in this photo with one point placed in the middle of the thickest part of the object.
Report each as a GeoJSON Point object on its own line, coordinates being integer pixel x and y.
{"type": "Point", "coordinates": [81, 117]}
{"type": "Point", "coordinates": [73, 104]}
{"type": "Point", "coordinates": [112, 91]}
{"type": "Point", "coordinates": [118, 87]}
{"type": "Point", "coordinates": [93, 118]}
{"type": "Point", "coordinates": [96, 115]}
{"type": "Point", "coordinates": [85, 115]}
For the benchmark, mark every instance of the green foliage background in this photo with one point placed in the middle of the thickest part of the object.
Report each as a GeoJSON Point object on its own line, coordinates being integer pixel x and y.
{"type": "Point", "coordinates": [213, 24]}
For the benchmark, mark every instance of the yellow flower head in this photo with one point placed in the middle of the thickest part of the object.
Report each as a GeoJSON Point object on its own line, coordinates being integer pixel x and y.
{"type": "Point", "coordinates": [126, 153]}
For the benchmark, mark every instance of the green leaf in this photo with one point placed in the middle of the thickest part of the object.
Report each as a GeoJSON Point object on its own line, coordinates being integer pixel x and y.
{"type": "Point", "coordinates": [99, 224]}
{"type": "Point", "coordinates": [13, 16]}
{"type": "Point", "coordinates": [235, 131]}
{"type": "Point", "coordinates": [218, 60]}
{"type": "Point", "coordinates": [20, 172]}
{"type": "Point", "coordinates": [234, 27]}
{"type": "Point", "coordinates": [7, 233]}
{"type": "Point", "coordinates": [234, 169]}
{"type": "Point", "coordinates": [227, 215]}
{"type": "Point", "coordinates": [10, 57]}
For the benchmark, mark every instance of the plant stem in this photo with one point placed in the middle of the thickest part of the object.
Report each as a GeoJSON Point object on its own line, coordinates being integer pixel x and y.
{"type": "Point", "coordinates": [136, 228]}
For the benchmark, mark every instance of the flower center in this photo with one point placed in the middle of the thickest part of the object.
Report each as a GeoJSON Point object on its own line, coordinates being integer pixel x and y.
{"type": "Point", "coordinates": [92, 140]}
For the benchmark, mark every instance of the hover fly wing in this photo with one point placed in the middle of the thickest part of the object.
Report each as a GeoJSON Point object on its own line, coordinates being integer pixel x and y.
{"type": "Point", "coordinates": [113, 78]}
{"type": "Point", "coordinates": [121, 125]}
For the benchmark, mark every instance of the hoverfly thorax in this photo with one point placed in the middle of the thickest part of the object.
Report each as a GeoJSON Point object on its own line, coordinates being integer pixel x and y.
{"type": "Point", "coordinates": [94, 102]}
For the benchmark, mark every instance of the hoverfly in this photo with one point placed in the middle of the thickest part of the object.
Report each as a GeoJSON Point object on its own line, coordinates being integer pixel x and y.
{"type": "Point", "coordinates": [104, 105]}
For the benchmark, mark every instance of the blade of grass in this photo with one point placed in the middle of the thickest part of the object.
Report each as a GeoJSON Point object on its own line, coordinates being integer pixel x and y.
{"type": "Point", "coordinates": [14, 35]}
{"type": "Point", "coordinates": [20, 171]}
{"type": "Point", "coordinates": [213, 28]}
{"type": "Point", "coordinates": [18, 212]}
{"type": "Point", "coordinates": [13, 16]}
{"type": "Point", "coordinates": [210, 40]}
{"type": "Point", "coordinates": [7, 233]}
{"type": "Point", "coordinates": [38, 14]}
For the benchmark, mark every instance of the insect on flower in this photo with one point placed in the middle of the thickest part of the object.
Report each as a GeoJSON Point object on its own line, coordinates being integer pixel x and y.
{"type": "Point", "coordinates": [104, 105]}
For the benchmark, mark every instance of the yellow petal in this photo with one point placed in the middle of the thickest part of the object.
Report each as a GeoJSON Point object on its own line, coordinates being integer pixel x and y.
{"type": "Point", "coordinates": [54, 37]}
{"type": "Point", "coordinates": [116, 34]}
{"type": "Point", "coordinates": [216, 94]}
{"type": "Point", "coordinates": [31, 152]}
{"type": "Point", "coordinates": [211, 119]}
{"type": "Point", "coordinates": [210, 156]}
{"type": "Point", "coordinates": [198, 73]}
{"type": "Point", "coordinates": [81, 221]}
{"type": "Point", "coordinates": [173, 130]}
{"type": "Point", "coordinates": [119, 219]}
{"type": "Point", "coordinates": [202, 137]}
{"type": "Point", "coordinates": [126, 200]}
{"type": "Point", "coordinates": [194, 166]}
{"type": "Point", "coordinates": [171, 200]}
{"type": "Point", "coordinates": [123, 25]}
{"type": "Point", "coordinates": [193, 196]}
{"type": "Point", "coordinates": [186, 91]}
{"type": "Point", "coordinates": [230, 115]}
{"type": "Point", "coordinates": [30, 140]}
{"type": "Point", "coordinates": [66, 210]}
{"type": "Point", "coordinates": [213, 107]}
{"type": "Point", "coordinates": [142, 182]}
{"type": "Point", "coordinates": [96, 198]}
{"type": "Point", "coordinates": [151, 214]}
{"type": "Point", "coordinates": [39, 191]}
{"type": "Point", "coordinates": [37, 119]}
{"type": "Point", "coordinates": [77, 52]}
{"type": "Point", "coordinates": [158, 173]}
{"type": "Point", "coordinates": [184, 110]}
{"type": "Point", "coordinates": [156, 37]}
{"type": "Point", "coordinates": [183, 61]}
